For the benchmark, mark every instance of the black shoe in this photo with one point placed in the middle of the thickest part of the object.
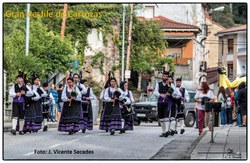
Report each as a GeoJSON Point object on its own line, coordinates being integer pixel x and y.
{"type": "Point", "coordinates": [107, 130]}
{"type": "Point", "coordinates": [242, 125]}
{"type": "Point", "coordinates": [182, 131]}
{"type": "Point", "coordinates": [71, 133]}
{"type": "Point", "coordinates": [175, 132]}
{"type": "Point", "coordinates": [122, 131]}
{"type": "Point", "coordinates": [162, 135]}
{"type": "Point", "coordinates": [112, 132]}
{"type": "Point", "coordinates": [21, 133]}
{"type": "Point", "coordinates": [45, 128]}
{"type": "Point", "coordinates": [172, 132]}
{"type": "Point", "coordinates": [13, 132]}
{"type": "Point", "coordinates": [167, 134]}
{"type": "Point", "coordinates": [83, 130]}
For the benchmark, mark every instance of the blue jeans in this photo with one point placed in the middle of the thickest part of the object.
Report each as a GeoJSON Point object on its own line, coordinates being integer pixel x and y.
{"type": "Point", "coordinates": [223, 116]}
{"type": "Point", "coordinates": [239, 119]}
{"type": "Point", "coordinates": [53, 112]}
{"type": "Point", "coordinates": [229, 115]}
{"type": "Point", "coordinates": [59, 106]}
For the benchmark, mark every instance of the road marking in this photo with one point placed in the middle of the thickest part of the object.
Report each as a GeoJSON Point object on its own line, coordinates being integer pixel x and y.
{"type": "Point", "coordinates": [28, 154]}
{"type": "Point", "coordinates": [73, 140]}
{"type": "Point", "coordinates": [56, 145]}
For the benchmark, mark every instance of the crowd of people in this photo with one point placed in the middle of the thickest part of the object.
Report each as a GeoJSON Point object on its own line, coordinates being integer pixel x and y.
{"type": "Point", "coordinates": [70, 105]}
{"type": "Point", "coordinates": [34, 105]}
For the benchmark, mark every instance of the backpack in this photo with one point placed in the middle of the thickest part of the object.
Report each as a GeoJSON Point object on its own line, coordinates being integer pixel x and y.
{"type": "Point", "coordinates": [228, 101]}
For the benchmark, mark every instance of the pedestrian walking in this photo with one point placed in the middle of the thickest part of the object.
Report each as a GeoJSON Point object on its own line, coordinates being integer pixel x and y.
{"type": "Point", "coordinates": [59, 102]}
{"type": "Point", "coordinates": [222, 98]}
{"type": "Point", "coordinates": [229, 105]}
{"type": "Point", "coordinates": [112, 111]}
{"type": "Point", "coordinates": [163, 92]}
{"type": "Point", "coordinates": [87, 107]}
{"type": "Point", "coordinates": [47, 99]}
{"type": "Point", "coordinates": [70, 117]}
{"type": "Point", "coordinates": [242, 98]}
{"type": "Point", "coordinates": [18, 92]}
{"type": "Point", "coordinates": [205, 95]}
{"type": "Point", "coordinates": [180, 96]}
{"type": "Point", "coordinates": [54, 93]}
{"type": "Point", "coordinates": [126, 108]}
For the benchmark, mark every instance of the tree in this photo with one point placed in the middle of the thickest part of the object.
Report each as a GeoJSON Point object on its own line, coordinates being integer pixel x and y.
{"type": "Point", "coordinates": [147, 45]}
{"type": "Point", "coordinates": [48, 52]}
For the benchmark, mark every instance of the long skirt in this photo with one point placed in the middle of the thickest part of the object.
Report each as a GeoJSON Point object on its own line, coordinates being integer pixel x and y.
{"type": "Point", "coordinates": [128, 118]}
{"type": "Point", "coordinates": [87, 115]}
{"type": "Point", "coordinates": [38, 115]}
{"type": "Point", "coordinates": [111, 117]}
{"type": "Point", "coordinates": [70, 117]}
{"type": "Point", "coordinates": [30, 116]}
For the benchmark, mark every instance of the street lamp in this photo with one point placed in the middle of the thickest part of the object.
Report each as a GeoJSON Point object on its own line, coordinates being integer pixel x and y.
{"type": "Point", "coordinates": [27, 30]}
{"type": "Point", "coordinates": [216, 9]}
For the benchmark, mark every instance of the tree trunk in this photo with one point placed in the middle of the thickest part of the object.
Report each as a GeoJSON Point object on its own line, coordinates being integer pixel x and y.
{"type": "Point", "coordinates": [65, 8]}
{"type": "Point", "coordinates": [139, 82]}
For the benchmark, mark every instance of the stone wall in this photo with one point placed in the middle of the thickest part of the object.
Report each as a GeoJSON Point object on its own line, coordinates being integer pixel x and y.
{"type": "Point", "coordinates": [186, 71]}
{"type": "Point", "coordinates": [110, 51]}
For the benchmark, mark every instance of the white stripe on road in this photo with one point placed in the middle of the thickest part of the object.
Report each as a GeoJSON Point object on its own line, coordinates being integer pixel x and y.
{"type": "Point", "coordinates": [28, 154]}
{"type": "Point", "coordinates": [56, 145]}
{"type": "Point", "coordinates": [73, 140]}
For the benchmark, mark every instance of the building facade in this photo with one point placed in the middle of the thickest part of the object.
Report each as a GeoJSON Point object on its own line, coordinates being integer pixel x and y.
{"type": "Point", "coordinates": [233, 50]}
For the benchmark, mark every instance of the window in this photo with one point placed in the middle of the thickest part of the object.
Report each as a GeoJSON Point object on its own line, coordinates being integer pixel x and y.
{"type": "Point", "coordinates": [149, 11]}
{"type": "Point", "coordinates": [230, 46]}
{"type": "Point", "coordinates": [230, 71]}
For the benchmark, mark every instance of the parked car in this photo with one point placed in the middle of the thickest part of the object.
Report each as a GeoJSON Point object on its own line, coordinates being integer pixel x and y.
{"type": "Point", "coordinates": [146, 110]}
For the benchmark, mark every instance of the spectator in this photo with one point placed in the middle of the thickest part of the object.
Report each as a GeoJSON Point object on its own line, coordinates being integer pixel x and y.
{"type": "Point", "coordinates": [242, 98]}
{"type": "Point", "coordinates": [238, 112]}
{"type": "Point", "coordinates": [59, 102]}
{"type": "Point", "coordinates": [201, 97]}
{"type": "Point", "coordinates": [222, 99]}
{"type": "Point", "coordinates": [229, 105]}
{"type": "Point", "coordinates": [53, 105]}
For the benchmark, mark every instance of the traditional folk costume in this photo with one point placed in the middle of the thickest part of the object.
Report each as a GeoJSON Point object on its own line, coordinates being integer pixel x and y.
{"type": "Point", "coordinates": [87, 108]}
{"type": "Point", "coordinates": [38, 107]}
{"type": "Point", "coordinates": [18, 105]}
{"type": "Point", "coordinates": [103, 124]}
{"type": "Point", "coordinates": [47, 99]}
{"type": "Point", "coordinates": [126, 109]}
{"type": "Point", "coordinates": [180, 96]}
{"type": "Point", "coordinates": [111, 118]}
{"type": "Point", "coordinates": [30, 108]}
{"type": "Point", "coordinates": [164, 105]}
{"type": "Point", "coordinates": [70, 116]}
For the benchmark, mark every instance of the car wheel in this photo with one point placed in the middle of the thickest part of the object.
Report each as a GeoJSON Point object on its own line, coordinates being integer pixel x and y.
{"type": "Point", "coordinates": [190, 120]}
{"type": "Point", "coordinates": [137, 122]}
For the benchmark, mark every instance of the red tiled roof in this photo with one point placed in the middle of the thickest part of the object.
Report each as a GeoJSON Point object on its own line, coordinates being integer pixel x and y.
{"type": "Point", "coordinates": [233, 29]}
{"type": "Point", "coordinates": [165, 23]}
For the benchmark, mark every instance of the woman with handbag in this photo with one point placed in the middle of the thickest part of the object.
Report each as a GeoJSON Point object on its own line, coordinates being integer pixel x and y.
{"type": "Point", "coordinates": [203, 96]}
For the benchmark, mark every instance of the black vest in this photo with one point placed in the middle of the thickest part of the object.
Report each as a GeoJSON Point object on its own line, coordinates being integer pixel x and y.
{"type": "Point", "coordinates": [163, 89]}
{"type": "Point", "coordinates": [17, 88]}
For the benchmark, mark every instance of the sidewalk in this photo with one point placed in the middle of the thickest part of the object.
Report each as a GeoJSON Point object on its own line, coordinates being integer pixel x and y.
{"type": "Point", "coordinates": [230, 142]}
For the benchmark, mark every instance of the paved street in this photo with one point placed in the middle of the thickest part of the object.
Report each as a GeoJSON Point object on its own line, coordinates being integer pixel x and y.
{"type": "Point", "coordinates": [142, 143]}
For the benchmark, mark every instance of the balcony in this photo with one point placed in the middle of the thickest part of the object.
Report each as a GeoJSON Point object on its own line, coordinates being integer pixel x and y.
{"type": "Point", "coordinates": [181, 61]}
{"type": "Point", "coordinates": [242, 51]}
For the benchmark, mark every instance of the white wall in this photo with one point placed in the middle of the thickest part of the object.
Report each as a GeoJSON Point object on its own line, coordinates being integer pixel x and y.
{"type": "Point", "coordinates": [95, 42]}
{"type": "Point", "coordinates": [240, 69]}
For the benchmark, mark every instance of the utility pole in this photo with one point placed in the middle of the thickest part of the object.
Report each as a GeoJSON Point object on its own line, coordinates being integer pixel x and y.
{"type": "Point", "coordinates": [64, 20]}
{"type": "Point", "coordinates": [27, 30]}
{"type": "Point", "coordinates": [123, 39]}
{"type": "Point", "coordinates": [129, 39]}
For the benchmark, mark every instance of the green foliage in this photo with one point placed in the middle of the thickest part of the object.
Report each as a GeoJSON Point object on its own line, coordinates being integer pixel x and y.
{"type": "Point", "coordinates": [47, 51]}
{"type": "Point", "coordinates": [161, 61]}
{"type": "Point", "coordinates": [98, 59]}
{"type": "Point", "coordinates": [227, 18]}
{"type": "Point", "coordinates": [147, 45]}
